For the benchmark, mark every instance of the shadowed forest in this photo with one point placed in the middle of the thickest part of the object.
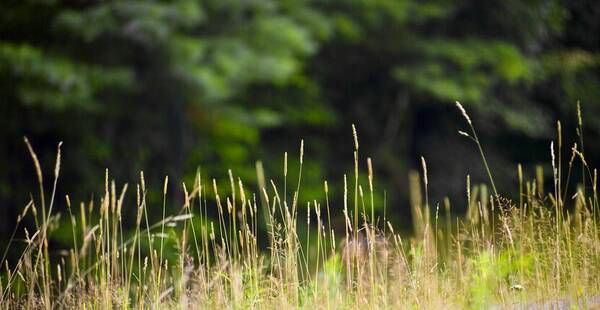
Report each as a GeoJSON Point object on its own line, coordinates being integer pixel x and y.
{"type": "Point", "coordinates": [348, 106]}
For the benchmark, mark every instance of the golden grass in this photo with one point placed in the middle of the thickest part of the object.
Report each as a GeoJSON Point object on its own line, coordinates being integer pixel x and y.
{"type": "Point", "coordinates": [499, 254]}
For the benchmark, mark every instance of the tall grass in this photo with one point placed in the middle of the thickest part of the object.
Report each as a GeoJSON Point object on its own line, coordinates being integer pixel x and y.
{"type": "Point", "coordinates": [543, 249]}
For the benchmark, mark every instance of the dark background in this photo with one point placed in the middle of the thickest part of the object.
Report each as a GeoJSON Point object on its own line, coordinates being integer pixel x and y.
{"type": "Point", "coordinates": [172, 86]}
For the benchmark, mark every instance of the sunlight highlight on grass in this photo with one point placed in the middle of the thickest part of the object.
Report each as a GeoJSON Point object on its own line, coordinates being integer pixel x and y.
{"type": "Point", "coordinates": [544, 248]}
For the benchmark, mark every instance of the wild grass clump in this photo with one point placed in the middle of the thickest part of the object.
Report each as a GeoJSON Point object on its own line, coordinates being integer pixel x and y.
{"type": "Point", "coordinates": [541, 249]}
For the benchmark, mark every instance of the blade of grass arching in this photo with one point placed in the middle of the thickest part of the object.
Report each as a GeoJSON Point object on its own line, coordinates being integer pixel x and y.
{"type": "Point", "coordinates": [475, 138]}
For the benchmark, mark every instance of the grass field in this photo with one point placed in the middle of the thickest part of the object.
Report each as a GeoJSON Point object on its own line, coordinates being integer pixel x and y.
{"type": "Point", "coordinates": [540, 249]}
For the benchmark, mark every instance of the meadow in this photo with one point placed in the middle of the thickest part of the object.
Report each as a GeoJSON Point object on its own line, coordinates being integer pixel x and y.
{"type": "Point", "coordinates": [538, 250]}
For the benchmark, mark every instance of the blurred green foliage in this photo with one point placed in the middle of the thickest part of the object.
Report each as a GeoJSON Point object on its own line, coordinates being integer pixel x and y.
{"type": "Point", "coordinates": [167, 86]}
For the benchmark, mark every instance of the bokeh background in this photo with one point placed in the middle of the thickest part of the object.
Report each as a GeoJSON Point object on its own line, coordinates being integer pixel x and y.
{"type": "Point", "coordinates": [170, 87]}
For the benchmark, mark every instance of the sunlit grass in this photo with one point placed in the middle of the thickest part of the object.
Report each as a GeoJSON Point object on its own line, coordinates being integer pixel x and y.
{"type": "Point", "coordinates": [541, 248]}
